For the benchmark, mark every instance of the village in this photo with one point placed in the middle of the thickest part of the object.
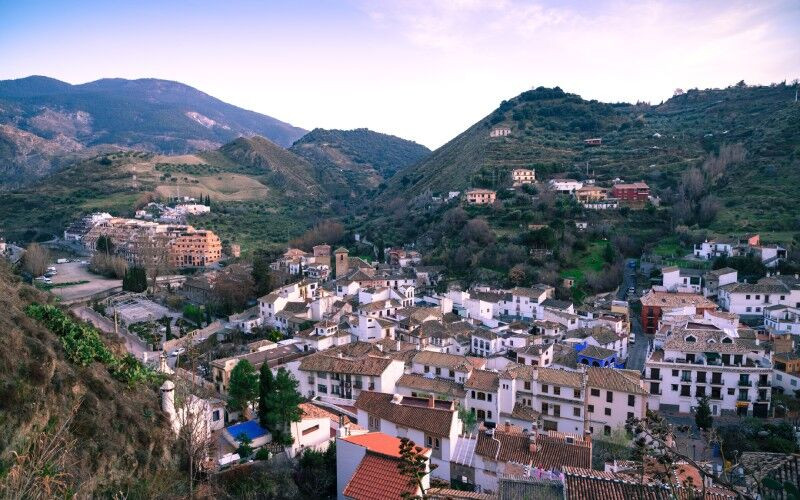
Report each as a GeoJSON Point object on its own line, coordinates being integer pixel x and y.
{"type": "Point", "coordinates": [505, 390]}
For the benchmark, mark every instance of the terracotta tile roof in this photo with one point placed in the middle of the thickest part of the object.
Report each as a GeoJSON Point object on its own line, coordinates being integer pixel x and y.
{"type": "Point", "coordinates": [555, 452]}
{"type": "Point", "coordinates": [482, 380]}
{"type": "Point", "coordinates": [708, 341]}
{"type": "Point", "coordinates": [451, 494]}
{"type": "Point", "coordinates": [451, 361]}
{"type": "Point", "coordinates": [378, 478]}
{"type": "Point", "coordinates": [322, 362]}
{"type": "Point", "coordinates": [655, 298]}
{"type": "Point", "coordinates": [555, 376]}
{"type": "Point", "coordinates": [593, 351]}
{"type": "Point", "coordinates": [505, 446]}
{"type": "Point", "coordinates": [377, 442]}
{"type": "Point", "coordinates": [615, 380]}
{"type": "Point", "coordinates": [533, 292]}
{"type": "Point", "coordinates": [409, 412]}
{"type": "Point", "coordinates": [519, 372]}
{"type": "Point", "coordinates": [522, 412]}
{"type": "Point", "coordinates": [435, 385]}
{"type": "Point", "coordinates": [588, 484]}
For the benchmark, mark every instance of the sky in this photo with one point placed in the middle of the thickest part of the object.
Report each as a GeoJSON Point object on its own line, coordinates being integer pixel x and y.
{"type": "Point", "coordinates": [423, 70]}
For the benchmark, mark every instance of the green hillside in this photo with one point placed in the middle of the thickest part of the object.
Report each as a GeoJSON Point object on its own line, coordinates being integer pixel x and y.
{"type": "Point", "coordinates": [656, 144]}
{"type": "Point", "coordinates": [114, 436]}
{"type": "Point", "coordinates": [351, 162]}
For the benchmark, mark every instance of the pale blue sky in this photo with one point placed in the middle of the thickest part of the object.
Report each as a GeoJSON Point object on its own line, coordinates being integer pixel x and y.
{"type": "Point", "coordinates": [421, 69]}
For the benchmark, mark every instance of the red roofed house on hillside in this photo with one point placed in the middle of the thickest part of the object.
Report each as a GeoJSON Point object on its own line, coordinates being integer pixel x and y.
{"type": "Point", "coordinates": [635, 193]}
{"type": "Point", "coordinates": [367, 468]}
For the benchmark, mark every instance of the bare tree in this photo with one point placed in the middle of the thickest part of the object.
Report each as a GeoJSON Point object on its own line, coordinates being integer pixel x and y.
{"type": "Point", "coordinates": [152, 253]}
{"type": "Point", "coordinates": [692, 183]}
{"type": "Point", "coordinates": [36, 259]}
{"type": "Point", "coordinates": [193, 413]}
{"type": "Point", "coordinates": [708, 210]}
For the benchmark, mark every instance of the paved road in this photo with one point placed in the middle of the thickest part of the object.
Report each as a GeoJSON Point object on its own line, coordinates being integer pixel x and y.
{"type": "Point", "coordinates": [638, 350]}
{"type": "Point", "coordinates": [628, 280]}
{"type": "Point", "coordinates": [133, 344]}
{"type": "Point", "coordinates": [72, 272]}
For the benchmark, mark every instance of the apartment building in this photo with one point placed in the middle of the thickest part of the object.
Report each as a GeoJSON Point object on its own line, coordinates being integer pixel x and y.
{"type": "Point", "coordinates": [699, 360]}
{"type": "Point", "coordinates": [749, 300]}
{"type": "Point", "coordinates": [338, 376]}
{"type": "Point", "coordinates": [195, 249]}
{"type": "Point", "coordinates": [481, 394]}
{"type": "Point", "coordinates": [613, 397]}
{"type": "Point", "coordinates": [565, 185]}
{"type": "Point", "coordinates": [782, 319]}
{"type": "Point", "coordinates": [447, 366]}
{"type": "Point", "coordinates": [634, 193]}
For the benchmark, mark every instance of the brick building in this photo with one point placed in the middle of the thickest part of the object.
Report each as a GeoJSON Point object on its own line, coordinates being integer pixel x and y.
{"type": "Point", "coordinates": [654, 302]}
{"type": "Point", "coordinates": [637, 192]}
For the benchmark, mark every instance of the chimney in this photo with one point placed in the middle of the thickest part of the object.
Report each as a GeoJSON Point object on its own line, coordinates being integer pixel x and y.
{"type": "Point", "coordinates": [339, 355]}
{"type": "Point", "coordinates": [532, 442]}
{"type": "Point", "coordinates": [431, 401]}
{"type": "Point", "coordinates": [397, 345]}
{"type": "Point", "coordinates": [508, 426]}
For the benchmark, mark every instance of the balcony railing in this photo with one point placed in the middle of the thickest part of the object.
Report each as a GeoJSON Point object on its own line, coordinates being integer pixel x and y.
{"type": "Point", "coordinates": [745, 383]}
{"type": "Point", "coordinates": [717, 397]}
{"type": "Point", "coordinates": [764, 383]}
{"type": "Point", "coordinates": [717, 381]}
{"type": "Point", "coordinates": [741, 397]}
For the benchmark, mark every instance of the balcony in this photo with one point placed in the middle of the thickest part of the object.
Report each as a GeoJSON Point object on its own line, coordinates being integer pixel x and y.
{"type": "Point", "coordinates": [743, 397]}
{"type": "Point", "coordinates": [650, 377]}
{"type": "Point", "coordinates": [716, 397]}
{"type": "Point", "coordinates": [745, 383]}
{"type": "Point", "coordinates": [717, 381]}
{"type": "Point", "coordinates": [764, 383]}
{"type": "Point", "coordinates": [686, 378]}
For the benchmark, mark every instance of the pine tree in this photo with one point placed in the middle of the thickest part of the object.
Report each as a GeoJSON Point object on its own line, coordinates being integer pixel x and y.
{"type": "Point", "coordinates": [243, 386]}
{"type": "Point", "coordinates": [266, 386]}
{"type": "Point", "coordinates": [702, 415]}
{"type": "Point", "coordinates": [282, 406]}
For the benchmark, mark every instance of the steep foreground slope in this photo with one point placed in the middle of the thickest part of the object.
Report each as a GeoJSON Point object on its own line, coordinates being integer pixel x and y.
{"type": "Point", "coordinates": [351, 162]}
{"type": "Point", "coordinates": [115, 438]}
{"type": "Point", "coordinates": [656, 144]}
{"type": "Point", "coordinates": [148, 114]}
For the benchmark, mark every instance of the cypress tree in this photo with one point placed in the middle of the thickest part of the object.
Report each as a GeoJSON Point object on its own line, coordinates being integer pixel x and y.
{"type": "Point", "coordinates": [264, 389]}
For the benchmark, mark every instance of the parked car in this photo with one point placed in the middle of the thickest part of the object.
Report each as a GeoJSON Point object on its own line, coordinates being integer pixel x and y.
{"type": "Point", "coordinates": [178, 352]}
{"type": "Point", "coordinates": [632, 338]}
{"type": "Point", "coordinates": [51, 268]}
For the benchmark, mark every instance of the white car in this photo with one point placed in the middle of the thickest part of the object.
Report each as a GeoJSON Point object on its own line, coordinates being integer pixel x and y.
{"type": "Point", "coordinates": [51, 268]}
{"type": "Point", "coordinates": [632, 338]}
{"type": "Point", "coordinates": [178, 352]}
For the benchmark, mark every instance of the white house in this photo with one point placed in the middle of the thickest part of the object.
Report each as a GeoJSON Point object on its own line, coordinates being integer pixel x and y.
{"type": "Point", "coordinates": [565, 185]}
{"type": "Point", "coordinates": [430, 422]}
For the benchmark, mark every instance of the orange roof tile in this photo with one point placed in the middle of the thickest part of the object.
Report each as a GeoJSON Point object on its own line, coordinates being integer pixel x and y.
{"type": "Point", "coordinates": [378, 478]}
{"type": "Point", "coordinates": [378, 442]}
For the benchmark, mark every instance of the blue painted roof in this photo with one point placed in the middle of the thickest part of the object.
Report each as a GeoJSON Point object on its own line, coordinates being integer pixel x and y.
{"type": "Point", "coordinates": [250, 428]}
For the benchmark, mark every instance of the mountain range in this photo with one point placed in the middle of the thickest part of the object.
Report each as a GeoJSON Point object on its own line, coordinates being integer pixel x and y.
{"type": "Point", "coordinates": [46, 123]}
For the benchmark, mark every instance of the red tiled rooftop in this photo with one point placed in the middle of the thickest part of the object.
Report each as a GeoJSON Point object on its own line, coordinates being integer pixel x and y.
{"type": "Point", "coordinates": [378, 478]}
{"type": "Point", "coordinates": [378, 442]}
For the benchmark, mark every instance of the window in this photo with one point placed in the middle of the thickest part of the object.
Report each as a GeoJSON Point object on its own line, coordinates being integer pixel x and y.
{"type": "Point", "coordinates": [452, 374]}
{"type": "Point", "coordinates": [595, 392]}
{"type": "Point", "coordinates": [607, 430]}
{"type": "Point", "coordinates": [310, 430]}
{"type": "Point", "coordinates": [609, 397]}
{"type": "Point", "coordinates": [473, 394]}
{"type": "Point", "coordinates": [557, 390]}
{"type": "Point", "coordinates": [322, 388]}
{"type": "Point", "coordinates": [374, 423]}
{"type": "Point", "coordinates": [215, 416]}
{"type": "Point", "coordinates": [432, 442]}
{"type": "Point", "coordinates": [674, 373]}
{"type": "Point", "coordinates": [577, 393]}
{"type": "Point", "coordinates": [731, 392]}
{"type": "Point", "coordinates": [607, 411]}
{"type": "Point", "coordinates": [591, 408]}
{"type": "Point", "coordinates": [527, 386]}
{"type": "Point", "coordinates": [426, 369]}
{"type": "Point", "coordinates": [544, 408]}
{"type": "Point", "coordinates": [322, 375]}
{"type": "Point", "coordinates": [630, 415]}
{"type": "Point", "coordinates": [576, 412]}
{"type": "Point", "coordinates": [545, 388]}
{"type": "Point", "coordinates": [438, 371]}
{"type": "Point", "coordinates": [489, 397]}
{"type": "Point", "coordinates": [556, 410]}
{"type": "Point", "coordinates": [631, 400]}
